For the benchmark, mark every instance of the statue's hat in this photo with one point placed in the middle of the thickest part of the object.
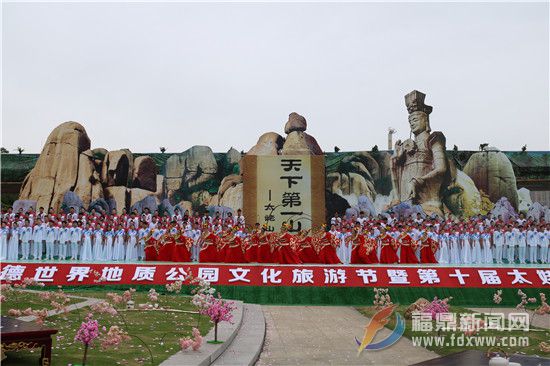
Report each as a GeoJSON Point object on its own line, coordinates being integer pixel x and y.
{"type": "Point", "coordinates": [415, 102]}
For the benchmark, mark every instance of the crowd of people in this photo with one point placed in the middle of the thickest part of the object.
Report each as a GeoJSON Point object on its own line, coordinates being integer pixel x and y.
{"type": "Point", "coordinates": [184, 237]}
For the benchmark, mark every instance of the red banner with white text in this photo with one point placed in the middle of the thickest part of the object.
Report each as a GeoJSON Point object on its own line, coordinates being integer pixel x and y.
{"type": "Point", "coordinates": [276, 275]}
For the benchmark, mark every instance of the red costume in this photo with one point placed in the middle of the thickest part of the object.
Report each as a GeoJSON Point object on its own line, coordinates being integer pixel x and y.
{"type": "Point", "coordinates": [234, 253]}
{"type": "Point", "coordinates": [264, 248]}
{"type": "Point", "coordinates": [388, 254]}
{"type": "Point", "coordinates": [151, 251]}
{"type": "Point", "coordinates": [284, 253]}
{"type": "Point", "coordinates": [166, 249]}
{"type": "Point", "coordinates": [327, 253]}
{"type": "Point", "coordinates": [251, 248]}
{"type": "Point", "coordinates": [306, 251]}
{"type": "Point", "coordinates": [427, 252]}
{"type": "Point", "coordinates": [181, 251]}
{"type": "Point", "coordinates": [368, 252]}
{"type": "Point", "coordinates": [407, 250]}
{"type": "Point", "coordinates": [357, 246]}
{"type": "Point", "coordinates": [209, 248]}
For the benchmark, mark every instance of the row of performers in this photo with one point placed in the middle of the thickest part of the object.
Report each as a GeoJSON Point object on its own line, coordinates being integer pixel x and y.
{"type": "Point", "coordinates": [282, 247]}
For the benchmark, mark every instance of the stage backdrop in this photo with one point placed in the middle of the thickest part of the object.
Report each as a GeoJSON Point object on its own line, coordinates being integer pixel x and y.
{"type": "Point", "coordinates": [284, 188]}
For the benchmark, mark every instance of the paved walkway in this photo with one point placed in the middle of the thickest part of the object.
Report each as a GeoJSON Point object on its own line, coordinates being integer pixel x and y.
{"type": "Point", "coordinates": [324, 335]}
{"type": "Point", "coordinates": [88, 301]}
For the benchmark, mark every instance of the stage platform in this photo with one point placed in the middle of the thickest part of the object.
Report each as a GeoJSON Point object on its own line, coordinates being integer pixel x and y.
{"type": "Point", "coordinates": [299, 284]}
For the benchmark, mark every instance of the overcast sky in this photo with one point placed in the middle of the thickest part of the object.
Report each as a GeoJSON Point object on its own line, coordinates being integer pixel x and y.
{"type": "Point", "coordinates": [141, 76]}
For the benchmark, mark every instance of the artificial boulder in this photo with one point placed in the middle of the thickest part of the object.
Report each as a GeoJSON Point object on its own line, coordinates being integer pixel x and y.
{"type": "Point", "coordinates": [300, 143]}
{"type": "Point", "coordinates": [145, 173]}
{"type": "Point", "coordinates": [136, 195]}
{"type": "Point", "coordinates": [233, 156]}
{"type": "Point", "coordinates": [117, 197]}
{"type": "Point", "coordinates": [295, 122]}
{"type": "Point", "coordinates": [233, 197]}
{"type": "Point", "coordinates": [229, 181]}
{"type": "Point", "coordinates": [175, 166]}
{"type": "Point", "coordinates": [525, 201]}
{"type": "Point", "coordinates": [192, 168]}
{"type": "Point", "coordinates": [117, 168]}
{"type": "Point", "coordinates": [88, 186]}
{"type": "Point", "coordinates": [269, 143]}
{"type": "Point", "coordinates": [493, 173]}
{"type": "Point", "coordinates": [56, 170]}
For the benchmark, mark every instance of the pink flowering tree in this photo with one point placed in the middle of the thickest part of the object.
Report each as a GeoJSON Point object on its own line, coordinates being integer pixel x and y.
{"type": "Point", "coordinates": [437, 306]}
{"type": "Point", "coordinates": [88, 331]}
{"type": "Point", "coordinates": [218, 310]}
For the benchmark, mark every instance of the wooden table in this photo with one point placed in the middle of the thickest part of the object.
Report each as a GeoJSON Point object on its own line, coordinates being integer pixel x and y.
{"type": "Point", "coordinates": [18, 335]}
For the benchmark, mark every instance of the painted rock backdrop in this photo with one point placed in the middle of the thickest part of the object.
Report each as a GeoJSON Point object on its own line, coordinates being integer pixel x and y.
{"type": "Point", "coordinates": [71, 172]}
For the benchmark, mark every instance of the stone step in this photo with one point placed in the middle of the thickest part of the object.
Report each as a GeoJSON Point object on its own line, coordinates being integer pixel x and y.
{"type": "Point", "coordinates": [208, 353]}
{"type": "Point", "coordinates": [247, 345]}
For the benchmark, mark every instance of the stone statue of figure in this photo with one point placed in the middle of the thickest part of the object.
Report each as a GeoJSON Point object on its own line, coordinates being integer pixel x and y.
{"type": "Point", "coordinates": [419, 166]}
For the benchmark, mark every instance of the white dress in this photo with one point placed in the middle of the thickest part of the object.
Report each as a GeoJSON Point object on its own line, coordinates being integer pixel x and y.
{"type": "Point", "coordinates": [443, 249]}
{"type": "Point", "coordinates": [4, 243]}
{"type": "Point", "coordinates": [454, 251]}
{"type": "Point", "coordinates": [131, 246]}
{"type": "Point", "coordinates": [466, 254]}
{"type": "Point", "coordinates": [86, 253]}
{"type": "Point", "coordinates": [477, 256]}
{"type": "Point", "coordinates": [108, 248]}
{"type": "Point", "coordinates": [118, 249]}
{"type": "Point", "coordinates": [487, 251]}
{"type": "Point", "coordinates": [98, 245]}
{"type": "Point", "coordinates": [13, 245]}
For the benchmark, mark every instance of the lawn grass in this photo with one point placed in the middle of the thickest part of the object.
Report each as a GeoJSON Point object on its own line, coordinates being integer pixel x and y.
{"type": "Point", "coordinates": [22, 300]}
{"type": "Point", "coordinates": [536, 335]}
{"type": "Point", "coordinates": [159, 330]}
